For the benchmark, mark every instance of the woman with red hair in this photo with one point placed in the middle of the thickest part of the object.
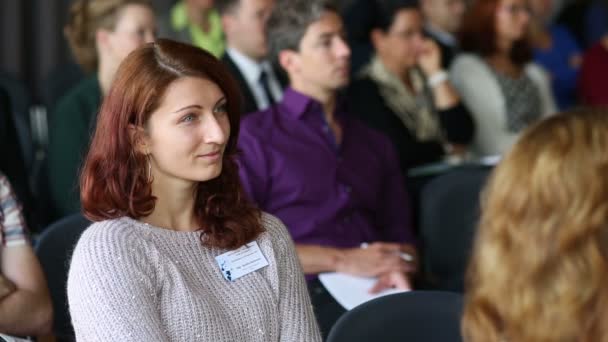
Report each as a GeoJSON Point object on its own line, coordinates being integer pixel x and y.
{"type": "Point", "coordinates": [504, 91]}
{"type": "Point", "coordinates": [177, 252]}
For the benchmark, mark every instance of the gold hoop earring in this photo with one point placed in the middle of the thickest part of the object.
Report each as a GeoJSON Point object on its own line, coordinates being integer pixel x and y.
{"type": "Point", "coordinates": [149, 168]}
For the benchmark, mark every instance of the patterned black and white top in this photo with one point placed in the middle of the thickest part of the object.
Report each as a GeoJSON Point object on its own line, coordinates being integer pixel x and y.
{"type": "Point", "coordinates": [12, 224]}
{"type": "Point", "coordinates": [522, 99]}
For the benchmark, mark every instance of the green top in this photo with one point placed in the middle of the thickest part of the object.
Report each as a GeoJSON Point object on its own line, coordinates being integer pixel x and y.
{"type": "Point", "coordinates": [212, 41]}
{"type": "Point", "coordinates": [71, 127]}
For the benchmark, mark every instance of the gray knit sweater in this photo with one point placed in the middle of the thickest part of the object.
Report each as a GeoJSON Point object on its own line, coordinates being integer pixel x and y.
{"type": "Point", "coordinates": [130, 281]}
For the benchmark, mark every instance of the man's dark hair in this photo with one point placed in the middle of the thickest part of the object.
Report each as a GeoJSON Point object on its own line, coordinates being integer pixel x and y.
{"type": "Point", "coordinates": [289, 21]}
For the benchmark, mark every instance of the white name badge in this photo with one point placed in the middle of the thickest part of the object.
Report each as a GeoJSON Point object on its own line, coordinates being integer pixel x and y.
{"type": "Point", "coordinates": [240, 262]}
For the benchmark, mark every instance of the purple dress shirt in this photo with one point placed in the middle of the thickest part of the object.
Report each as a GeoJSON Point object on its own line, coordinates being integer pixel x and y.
{"type": "Point", "coordinates": [326, 194]}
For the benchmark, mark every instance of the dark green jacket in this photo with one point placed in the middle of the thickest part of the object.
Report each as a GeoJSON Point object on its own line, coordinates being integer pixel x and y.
{"type": "Point", "coordinates": [71, 126]}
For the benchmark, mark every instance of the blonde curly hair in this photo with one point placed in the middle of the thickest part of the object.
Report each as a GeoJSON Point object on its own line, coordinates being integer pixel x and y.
{"type": "Point", "coordinates": [85, 18]}
{"type": "Point", "coordinates": [539, 266]}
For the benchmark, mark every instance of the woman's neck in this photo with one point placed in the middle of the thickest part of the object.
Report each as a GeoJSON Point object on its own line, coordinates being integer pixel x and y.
{"type": "Point", "coordinates": [174, 207]}
{"type": "Point", "coordinates": [105, 75]}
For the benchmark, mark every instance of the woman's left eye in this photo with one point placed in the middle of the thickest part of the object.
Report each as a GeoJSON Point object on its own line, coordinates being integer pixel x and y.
{"type": "Point", "coordinates": [188, 118]}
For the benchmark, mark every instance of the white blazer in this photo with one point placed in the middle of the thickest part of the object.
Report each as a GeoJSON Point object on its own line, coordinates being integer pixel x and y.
{"type": "Point", "coordinates": [482, 95]}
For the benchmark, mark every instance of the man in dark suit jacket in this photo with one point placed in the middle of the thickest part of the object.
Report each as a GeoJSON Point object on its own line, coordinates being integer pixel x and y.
{"type": "Point", "coordinates": [442, 21]}
{"type": "Point", "coordinates": [244, 24]}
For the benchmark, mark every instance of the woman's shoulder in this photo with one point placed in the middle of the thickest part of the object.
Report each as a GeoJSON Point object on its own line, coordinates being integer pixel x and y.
{"type": "Point", "coordinates": [468, 68]}
{"type": "Point", "coordinates": [275, 231]}
{"type": "Point", "coordinates": [114, 236]}
{"type": "Point", "coordinates": [273, 225]}
{"type": "Point", "coordinates": [467, 60]}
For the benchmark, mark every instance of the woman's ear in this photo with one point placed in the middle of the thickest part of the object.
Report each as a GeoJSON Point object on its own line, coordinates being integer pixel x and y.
{"type": "Point", "coordinates": [137, 135]}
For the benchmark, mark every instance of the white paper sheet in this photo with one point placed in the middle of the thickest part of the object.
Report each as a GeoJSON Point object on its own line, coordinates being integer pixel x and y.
{"type": "Point", "coordinates": [351, 291]}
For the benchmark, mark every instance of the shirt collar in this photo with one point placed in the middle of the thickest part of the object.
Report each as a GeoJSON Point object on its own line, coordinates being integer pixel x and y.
{"type": "Point", "coordinates": [250, 69]}
{"type": "Point", "coordinates": [298, 104]}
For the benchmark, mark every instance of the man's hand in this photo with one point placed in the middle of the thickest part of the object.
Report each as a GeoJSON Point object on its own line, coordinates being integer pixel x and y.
{"type": "Point", "coordinates": [6, 287]}
{"type": "Point", "coordinates": [376, 259]}
{"type": "Point", "coordinates": [391, 280]}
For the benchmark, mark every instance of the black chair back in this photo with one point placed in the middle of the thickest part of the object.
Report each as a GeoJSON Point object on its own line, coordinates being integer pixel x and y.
{"type": "Point", "coordinates": [54, 249]}
{"type": "Point", "coordinates": [416, 316]}
{"type": "Point", "coordinates": [448, 220]}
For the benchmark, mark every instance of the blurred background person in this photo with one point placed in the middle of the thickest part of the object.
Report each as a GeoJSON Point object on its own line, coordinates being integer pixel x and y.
{"type": "Point", "coordinates": [196, 22]}
{"type": "Point", "coordinates": [404, 92]}
{"type": "Point", "coordinates": [504, 91]}
{"type": "Point", "coordinates": [557, 51]}
{"type": "Point", "coordinates": [101, 34]}
{"type": "Point", "coordinates": [538, 269]}
{"type": "Point", "coordinates": [244, 23]}
{"type": "Point", "coordinates": [442, 20]}
{"type": "Point", "coordinates": [321, 171]}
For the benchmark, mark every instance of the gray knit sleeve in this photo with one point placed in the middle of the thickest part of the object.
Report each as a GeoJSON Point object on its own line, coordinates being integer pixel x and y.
{"type": "Point", "coordinates": [296, 315]}
{"type": "Point", "coordinates": [112, 291]}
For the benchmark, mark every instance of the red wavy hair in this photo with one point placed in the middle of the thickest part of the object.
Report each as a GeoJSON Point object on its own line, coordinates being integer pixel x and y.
{"type": "Point", "coordinates": [114, 180]}
{"type": "Point", "coordinates": [478, 33]}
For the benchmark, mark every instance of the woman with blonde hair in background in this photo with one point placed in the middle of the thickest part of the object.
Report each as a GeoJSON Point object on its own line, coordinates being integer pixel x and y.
{"type": "Point", "coordinates": [538, 270]}
{"type": "Point", "coordinates": [101, 33]}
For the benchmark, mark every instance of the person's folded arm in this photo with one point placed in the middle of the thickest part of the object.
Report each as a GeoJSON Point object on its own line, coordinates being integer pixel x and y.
{"type": "Point", "coordinates": [27, 310]}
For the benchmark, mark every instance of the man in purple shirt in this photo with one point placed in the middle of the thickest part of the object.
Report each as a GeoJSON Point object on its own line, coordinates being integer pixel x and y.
{"type": "Point", "coordinates": [335, 183]}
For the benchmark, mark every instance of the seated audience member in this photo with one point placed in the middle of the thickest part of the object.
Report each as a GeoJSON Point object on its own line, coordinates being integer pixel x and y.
{"type": "Point", "coordinates": [25, 304]}
{"type": "Point", "coordinates": [165, 259]}
{"type": "Point", "coordinates": [244, 23]}
{"type": "Point", "coordinates": [555, 49]}
{"type": "Point", "coordinates": [405, 93]}
{"type": "Point", "coordinates": [538, 269]}
{"type": "Point", "coordinates": [334, 182]}
{"type": "Point", "coordinates": [442, 20]}
{"type": "Point", "coordinates": [504, 91]}
{"type": "Point", "coordinates": [196, 22]}
{"type": "Point", "coordinates": [593, 82]}
{"type": "Point", "coordinates": [101, 33]}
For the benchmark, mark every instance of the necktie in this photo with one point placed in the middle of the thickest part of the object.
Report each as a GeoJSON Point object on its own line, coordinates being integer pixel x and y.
{"type": "Point", "coordinates": [266, 87]}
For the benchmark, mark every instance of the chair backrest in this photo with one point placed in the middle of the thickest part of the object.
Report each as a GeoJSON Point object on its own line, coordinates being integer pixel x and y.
{"type": "Point", "coordinates": [54, 249]}
{"type": "Point", "coordinates": [448, 220]}
{"type": "Point", "coordinates": [424, 316]}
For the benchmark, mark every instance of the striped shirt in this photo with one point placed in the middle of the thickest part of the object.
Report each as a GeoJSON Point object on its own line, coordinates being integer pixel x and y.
{"type": "Point", "coordinates": [12, 223]}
